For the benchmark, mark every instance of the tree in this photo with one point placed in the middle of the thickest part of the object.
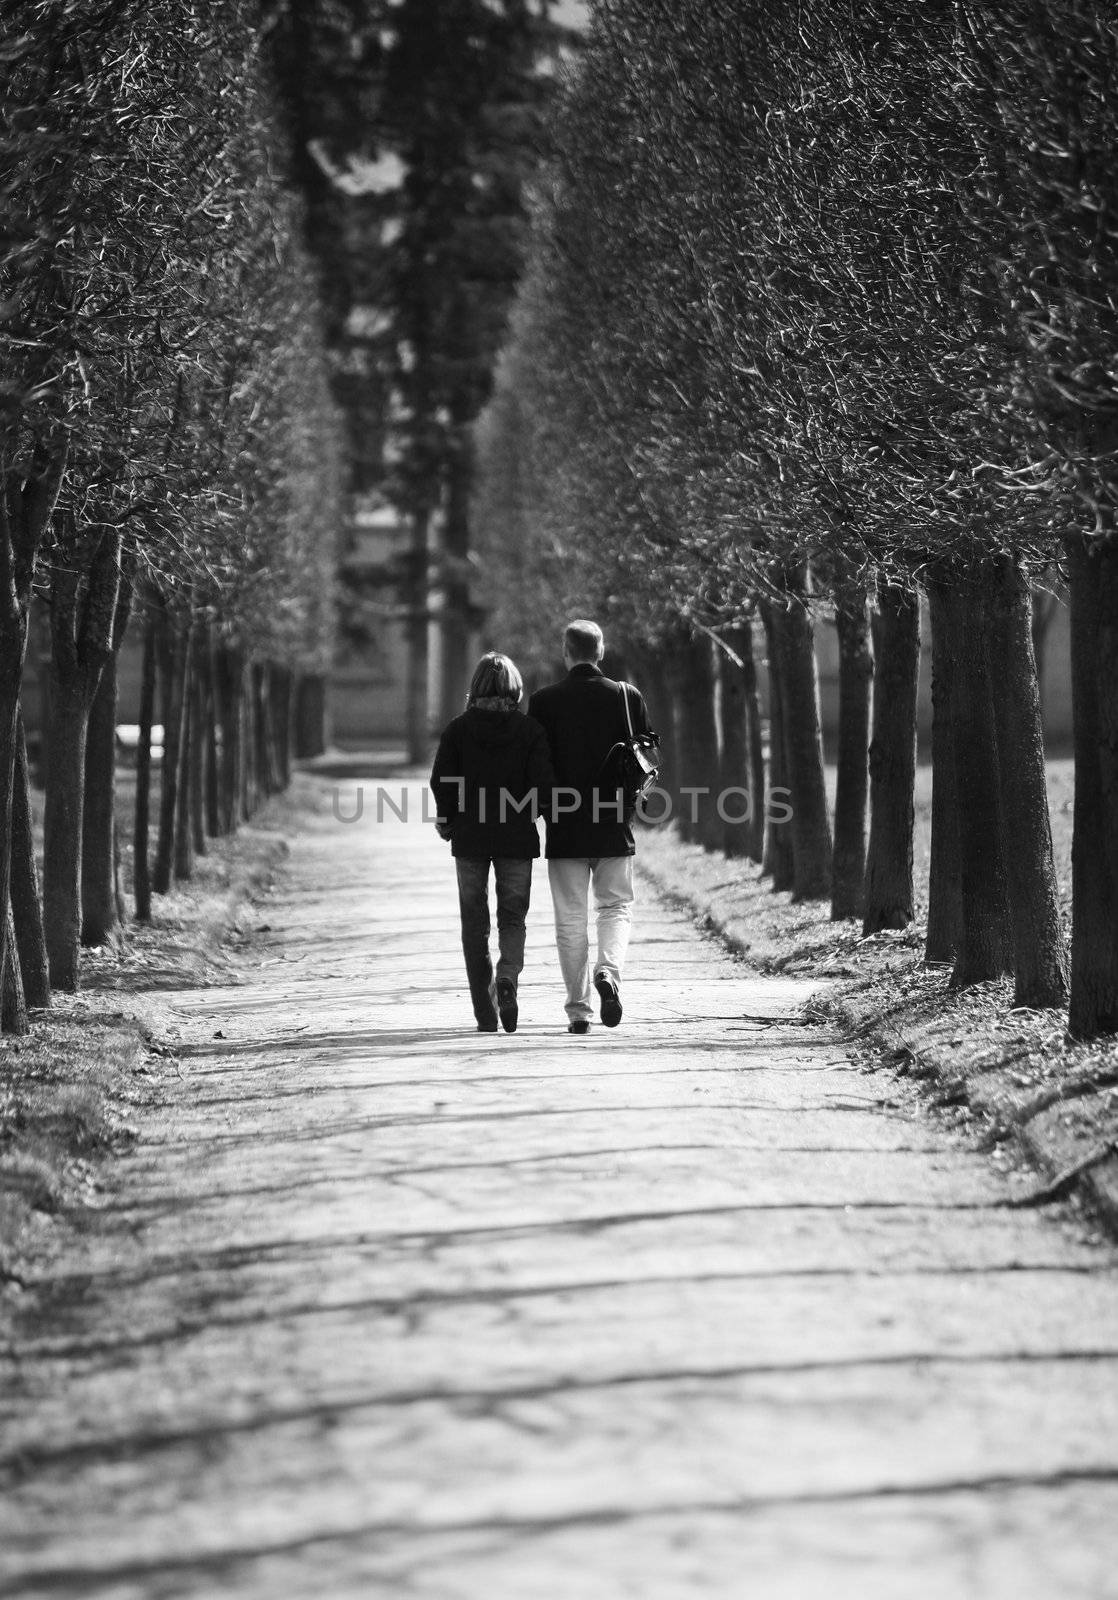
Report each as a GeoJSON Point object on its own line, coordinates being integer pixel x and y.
{"type": "Point", "coordinates": [769, 343]}
{"type": "Point", "coordinates": [1043, 111]}
{"type": "Point", "coordinates": [165, 414]}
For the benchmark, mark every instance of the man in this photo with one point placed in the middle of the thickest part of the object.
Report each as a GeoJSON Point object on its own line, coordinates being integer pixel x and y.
{"type": "Point", "coordinates": [589, 842]}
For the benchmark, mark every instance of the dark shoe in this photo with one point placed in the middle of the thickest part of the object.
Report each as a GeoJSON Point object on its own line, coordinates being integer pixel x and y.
{"type": "Point", "coordinates": [506, 1004]}
{"type": "Point", "coordinates": [487, 1027]}
{"type": "Point", "coordinates": [611, 1000]}
{"type": "Point", "coordinates": [580, 1025]}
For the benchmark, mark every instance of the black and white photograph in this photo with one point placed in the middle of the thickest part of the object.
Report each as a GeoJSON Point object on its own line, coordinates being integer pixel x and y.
{"type": "Point", "coordinates": [558, 800]}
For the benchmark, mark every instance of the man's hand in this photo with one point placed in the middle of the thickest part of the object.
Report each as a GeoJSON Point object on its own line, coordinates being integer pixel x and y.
{"type": "Point", "coordinates": [444, 831]}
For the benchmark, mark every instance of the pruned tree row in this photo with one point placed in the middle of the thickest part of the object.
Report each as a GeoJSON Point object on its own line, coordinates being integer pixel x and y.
{"type": "Point", "coordinates": [170, 454]}
{"type": "Point", "coordinates": [418, 125]}
{"type": "Point", "coordinates": [821, 321]}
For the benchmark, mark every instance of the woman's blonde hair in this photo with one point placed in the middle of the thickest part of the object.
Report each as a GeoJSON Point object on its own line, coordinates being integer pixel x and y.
{"type": "Point", "coordinates": [496, 683]}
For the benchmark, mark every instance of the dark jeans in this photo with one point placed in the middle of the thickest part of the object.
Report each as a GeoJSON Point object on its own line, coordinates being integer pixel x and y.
{"type": "Point", "coordinates": [514, 888]}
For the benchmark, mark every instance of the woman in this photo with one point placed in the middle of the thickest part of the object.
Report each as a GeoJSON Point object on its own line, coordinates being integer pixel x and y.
{"type": "Point", "coordinates": [492, 777]}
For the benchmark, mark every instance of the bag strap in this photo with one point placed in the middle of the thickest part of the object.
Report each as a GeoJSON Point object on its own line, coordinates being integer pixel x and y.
{"type": "Point", "coordinates": [628, 713]}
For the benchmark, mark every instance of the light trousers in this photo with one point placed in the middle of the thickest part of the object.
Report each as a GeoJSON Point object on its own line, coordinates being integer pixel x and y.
{"type": "Point", "coordinates": [611, 878]}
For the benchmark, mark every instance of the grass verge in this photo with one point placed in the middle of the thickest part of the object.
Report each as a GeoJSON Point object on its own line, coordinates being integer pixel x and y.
{"type": "Point", "coordinates": [1024, 1089]}
{"type": "Point", "coordinates": [70, 1091]}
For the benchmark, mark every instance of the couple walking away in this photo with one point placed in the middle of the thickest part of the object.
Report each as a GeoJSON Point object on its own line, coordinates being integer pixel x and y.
{"type": "Point", "coordinates": [497, 770]}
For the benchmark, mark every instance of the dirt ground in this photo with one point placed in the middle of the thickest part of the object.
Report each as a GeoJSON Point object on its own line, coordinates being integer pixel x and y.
{"type": "Point", "coordinates": [708, 1305]}
{"type": "Point", "coordinates": [1013, 1074]}
{"type": "Point", "coordinates": [72, 1090]}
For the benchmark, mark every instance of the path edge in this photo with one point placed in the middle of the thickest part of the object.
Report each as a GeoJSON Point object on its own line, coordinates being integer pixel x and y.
{"type": "Point", "coordinates": [1058, 1173]}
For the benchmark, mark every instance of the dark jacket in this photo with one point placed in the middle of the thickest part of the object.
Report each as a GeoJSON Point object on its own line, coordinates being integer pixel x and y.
{"type": "Point", "coordinates": [584, 717]}
{"type": "Point", "coordinates": [498, 757]}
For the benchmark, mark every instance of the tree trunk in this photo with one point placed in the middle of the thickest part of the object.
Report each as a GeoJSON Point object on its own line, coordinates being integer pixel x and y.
{"type": "Point", "coordinates": [185, 782]}
{"type": "Point", "coordinates": [1093, 571]}
{"type": "Point", "coordinates": [803, 749]}
{"type": "Point", "coordinates": [27, 502]}
{"type": "Point", "coordinates": [198, 751]}
{"type": "Point", "coordinates": [11, 667]}
{"type": "Point", "coordinates": [654, 679]}
{"type": "Point", "coordinates": [259, 732]}
{"type": "Point", "coordinates": [141, 868]}
{"type": "Point", "coordinates": [27, 910]}
{"type": "Point", "coordinates": [83, 611]}
{"type": "Point", "coordinates": [99, 921]}
{"type": "Point", "coordinates": [454, 617]}
{"type": "Point", "coordinates": [896, 645]}
{"type": "Point", "coordinates": [213, 770]}
{"type": "Point", "coordinates": [1045, 607]}
{"type": "Point", "coordinates": [269, 754]}
{"type": "Point", "coordinates": [416, 705]}
{"type": "Point", "coordinates": [62, 830]}
{"type": "Point", "coordinates": [1039, 955]}
{"type": "Point", "coordinates": [734, 775]}
{"type": "Point", "coordinates": [229, 672]}
{"type": "Point", "coordinates": [986, 947]}
{"type": "Point", "coordinates": [118, 877]}
{"type": "Point", "coordinates": [263, 722]}
{"type": "Point", "coordinates": [250, 770]}
{"type": "Point", "coordinates": [12, 640]}
{"type": "Point", "coordinates": [649, 669]}
{"type": "Point", "coordinates": [38, 639]}
{"type": "Point", "coordinates": [310, 717]}
{"type": "Point", "coordinates": [101, 897]}
{"type": "Point", "coordinates": [283, 699]}
{"type": "Point", "coordinates": [13, 1004]}
{"type": "Point", "coordinates": [174, 654]}
{"type": "Point", "coordinates": [945, 889]}
{"type": "Point", "coordinates": [698, 743]}
{"type": "Point", "coordinates": [266, 727]}
{"type": "Point", "coordinates": [778, 860]}
{"type": "Point", "coordinates": [852, 787]}
{"type": "Point", "coordinates": [270, 720]}
{"type": "Point", "coordinates": [755, 747]}
{"type": "Point", "coordinates": [211, 795]}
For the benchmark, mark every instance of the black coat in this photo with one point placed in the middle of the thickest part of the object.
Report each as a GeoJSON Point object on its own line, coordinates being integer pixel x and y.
{"type": "Point", "coordinates": [584, 717]}
{"type": "Point", "coordinates": [497, 757]}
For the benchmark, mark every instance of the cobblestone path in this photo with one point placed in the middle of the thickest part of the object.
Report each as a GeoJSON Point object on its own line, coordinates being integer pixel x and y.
{"type": "Point", "coordinates": [382, 1307]}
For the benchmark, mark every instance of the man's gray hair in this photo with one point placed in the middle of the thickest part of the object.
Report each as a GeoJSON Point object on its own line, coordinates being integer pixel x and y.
{"type": "Point", "coordinates": [583, 640]}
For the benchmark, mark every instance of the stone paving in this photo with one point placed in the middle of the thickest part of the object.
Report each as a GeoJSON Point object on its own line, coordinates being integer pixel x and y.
{"type": "Point", "coordinates": [382, 1307]}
